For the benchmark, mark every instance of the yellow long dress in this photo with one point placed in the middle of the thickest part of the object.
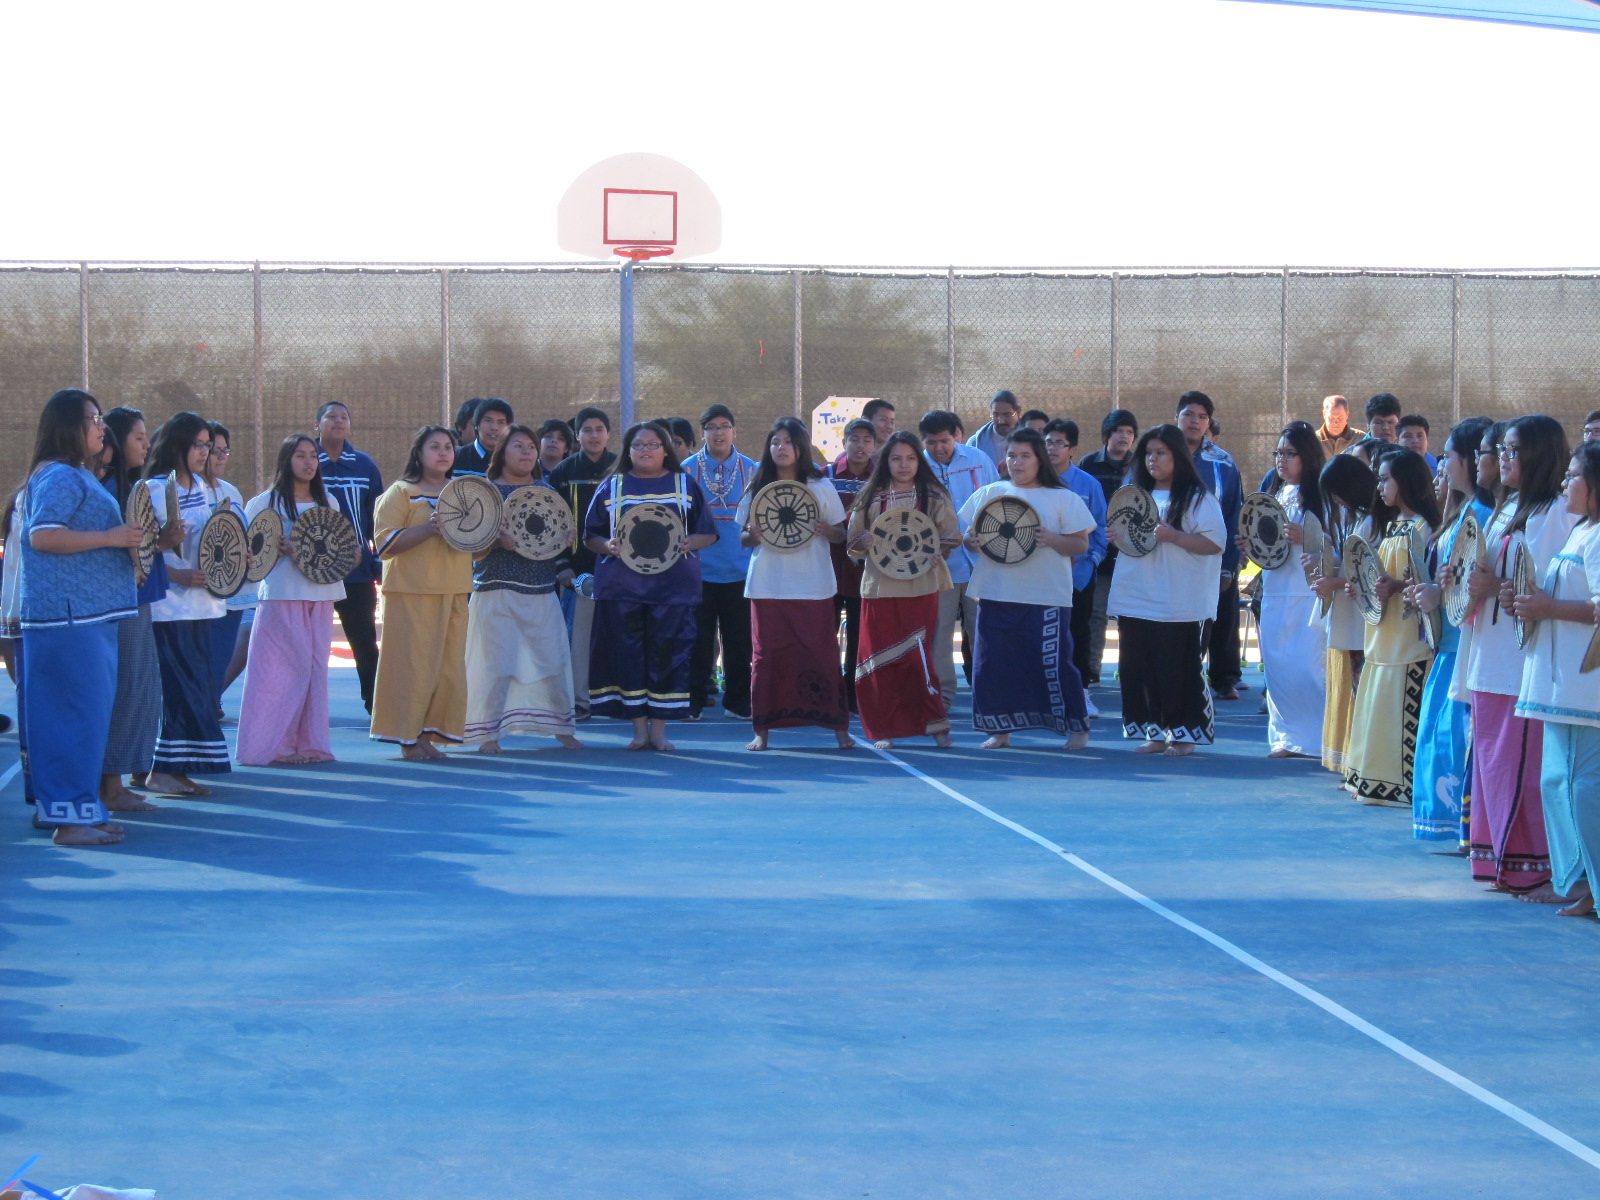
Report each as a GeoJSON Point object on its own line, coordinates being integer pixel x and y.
{"type": "Point", "coordinates": [1383, 730]}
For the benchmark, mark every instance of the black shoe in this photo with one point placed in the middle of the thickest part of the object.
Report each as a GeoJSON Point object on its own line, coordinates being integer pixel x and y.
{"type": "Point", "coordinates": [5, 723]}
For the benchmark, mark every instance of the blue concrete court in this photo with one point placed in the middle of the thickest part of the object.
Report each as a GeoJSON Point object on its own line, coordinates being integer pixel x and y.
{"type": "Point", "coordinates": [799, 974]}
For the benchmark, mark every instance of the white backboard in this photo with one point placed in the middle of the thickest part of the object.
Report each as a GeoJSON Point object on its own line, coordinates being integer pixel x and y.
{"type": "Point", "coordinates": [638, 200]}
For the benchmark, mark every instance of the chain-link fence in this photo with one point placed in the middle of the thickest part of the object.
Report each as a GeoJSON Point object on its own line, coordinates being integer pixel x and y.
{"type": "Point", "coordinates": [260, 347]}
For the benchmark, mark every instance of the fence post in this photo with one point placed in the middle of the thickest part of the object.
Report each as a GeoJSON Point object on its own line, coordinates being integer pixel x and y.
{"type": "Point", "coordinates": [950, 339]}
{"type": "Point", "coordinates": [1283, 350]}
{"type": "Point", "coordinates": [1455, 349]}
{"type": "Point", "coordinates": [1116, 334]}
{"type": "Point", "coordinates": [444, 346]}
{"type": "Point", "coordinates": [256, 377]}
{"type": "Point", "coordinates": [83, 325]}
{"type": "Point", "coordinates": [799, 351]}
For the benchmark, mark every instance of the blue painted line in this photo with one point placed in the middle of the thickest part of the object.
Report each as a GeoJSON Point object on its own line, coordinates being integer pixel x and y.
{"type": "Point", "coordinates": [1360, 1025]}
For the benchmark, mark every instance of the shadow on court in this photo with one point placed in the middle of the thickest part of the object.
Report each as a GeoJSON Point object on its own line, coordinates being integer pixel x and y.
{"type": "Point", "coordinates": [803, 973]}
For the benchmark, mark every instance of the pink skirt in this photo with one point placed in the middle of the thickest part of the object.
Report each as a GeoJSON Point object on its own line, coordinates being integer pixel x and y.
{"type": "Point", "coordinates": [1508, 838]}
{"type": "Point", "coordinates": [285, 706]}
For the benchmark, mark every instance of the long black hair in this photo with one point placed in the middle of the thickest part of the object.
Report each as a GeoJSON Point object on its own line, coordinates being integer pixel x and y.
{"type": "Point", "coordinates": [413, 471]}
{"type": "Point", "coordinates": [805, 467]}
{"type": "Point", "coordinates": [1409, 470]}
{"type": "Point", "coordinates": [1304, 442]}
{"type": "Point", "coordinates": [169, 448]}
{"type": "Point", "coordinates": [1186, 486]}
{"type": "Point", "coordinates": [926, 481]}
{"type": "Point", "coordinates": [283, 479]}
{"type": "Point", "coordinates": [218, 430]}
{"type": "Point", "coordinates": [119, 423]}
{"type": "Point", "coordinates": [1463, 441]}
{"type": "Point", "coordinates": [1348, 488]}
{"type": "Point", "coordinates": [1542, 457]}
{"type": "Point", "coordinates": [1022, 435]}
{"type": "Point", "coordinates": [59, 438]}
{"type": "Point", "coordinates": [1587, 456]}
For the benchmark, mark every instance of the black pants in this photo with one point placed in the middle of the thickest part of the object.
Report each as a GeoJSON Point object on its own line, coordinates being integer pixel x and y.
{"type": "Point", "coordinates": [849, 607]}
{"type": "Point", "coordinates": [1223, 664]}
{"type": "Point", "coordinates": [1164, 693]}
{"type": "Point", "coordinates": [1082, 615]}
{"type": "Point", "coordinates": [358, 617]}
{"type": "Point", "coordinates": [723, 609]}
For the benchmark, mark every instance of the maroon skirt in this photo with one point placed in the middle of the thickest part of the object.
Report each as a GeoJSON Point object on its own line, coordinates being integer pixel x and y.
{"type": "Point", "coordinates": [795, 677]}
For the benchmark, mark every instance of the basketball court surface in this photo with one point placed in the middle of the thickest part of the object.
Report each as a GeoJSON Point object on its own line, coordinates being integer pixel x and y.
{"type": "Point", "coordinates": [808, 973]}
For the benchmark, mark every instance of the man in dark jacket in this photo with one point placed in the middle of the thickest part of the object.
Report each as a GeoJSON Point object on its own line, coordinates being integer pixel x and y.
{"type": "Point", "coordinates": [1221, 477]}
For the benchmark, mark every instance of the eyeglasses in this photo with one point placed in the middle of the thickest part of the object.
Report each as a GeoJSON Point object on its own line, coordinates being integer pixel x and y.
{"type": "Point", "coordinates": [648, 446]}
{"type": "Point", "coordinates": [1057, 444]}
{"type": "Point", "coordinates": [718, 429]}
{"type": "Point", "coordinates": [206, 446]}
{"type": "Point", "coordinates": [1285, 454]}
{"type": "Point", "coordinates": [220, 451]}
{"type": "Point", "coordinates": [97, 419]}
{"type": "Point", "coordinates": [1509, 451]}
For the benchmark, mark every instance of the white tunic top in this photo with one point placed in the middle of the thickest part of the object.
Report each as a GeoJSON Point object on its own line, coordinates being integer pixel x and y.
{"type": "Point", "coordinates": [1489, 659]}
{"type": "Point", "coordinates": [1553, 689]}
{"type": "Point", "coordinates": [185, 603]}
{"type": "Point", "coordinates": [1044, 577]}
{"type": "Point", "coordinates": [1171, 583]}
{"type": "Point", "coordinates": [803, 574]}
{"type": "Point", "coordinates": [284, 581]}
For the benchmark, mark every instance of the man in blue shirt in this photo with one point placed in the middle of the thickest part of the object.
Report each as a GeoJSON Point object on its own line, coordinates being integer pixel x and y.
{"type": "Point", "coordinates": [1004, 410]}
{"type": "Point", "coordinates": [1413, 435]}
{"type": "Point", "coordinates": [963, 469]}
{"type": "Point", "coordinates": [355, 480]}
{"type": "Point", "coordinates": [1061, 443]}
{"type": "Point", "coordinates": [1221, 477]}
{"type": "Point", "coordinates": [723, 475]}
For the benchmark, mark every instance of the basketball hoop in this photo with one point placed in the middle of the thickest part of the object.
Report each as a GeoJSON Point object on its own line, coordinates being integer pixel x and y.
{"type": "Point", "coordinates": [642, 253]}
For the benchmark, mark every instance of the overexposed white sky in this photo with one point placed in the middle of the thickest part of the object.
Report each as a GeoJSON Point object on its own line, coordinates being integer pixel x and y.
{"type": "Point", "coordinates": [1149, 132]}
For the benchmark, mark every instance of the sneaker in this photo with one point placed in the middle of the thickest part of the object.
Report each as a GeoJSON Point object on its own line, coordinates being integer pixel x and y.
{"type": "Point", "coordinates": [1226, 693]}
{"type": "Point", "coordinates": [734, 714]}
{"type": "Point", "coordinates": [694, 715]}
{"type": "Point", "coordinates": [1094, 712]}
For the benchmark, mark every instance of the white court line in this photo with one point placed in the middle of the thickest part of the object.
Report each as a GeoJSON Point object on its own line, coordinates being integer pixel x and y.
{"type": "Point", "coordinates": [11, 773]}
{"type": "Point", "coordinates": [1411, 1054]}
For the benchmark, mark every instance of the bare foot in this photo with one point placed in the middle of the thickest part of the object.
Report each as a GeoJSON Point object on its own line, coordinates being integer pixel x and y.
{"type": "Point", "coordinates": [163, 784]}
{"type": "Point", "coordinates": [489, 748]}
{"type": "Point", "coordinates": [1178, 750]}
{"type": "Point", "coordinates": [195, 789]}
{"type": "Point", "coordinates": [317, 756]}
{"type": "Point", "coordinates": [1497, 887]}
{"type": "Point", "coordinates": [422, 752]}
{"type": "Point", "coordinates": [1545, 893]}
{"type": "Point", "coordinates": [999, 741]}
{"type": "Point", "coordinates": [1150, 748]}
{"type": "Point", "coordinates": [759, 742]}
{"type": "Point", "coordinates": [843, 740]}
{"type": "Point", "coordinates": [659, 741]}
{"type": "Point", "coordinates": [126, 801]}
{"type": "Point", "coordinates": [638, 744]}
{"type": "Point", "coordinates": [1583, 901]}
{"type": "Point", "coordinates": [568, 742]}
{"type": "Point", "coordinates": [883, 744]}
{"type": "Point", "coordinates": [88, 835]}
{"type": "Point", "coordinates": [1078, 741]}
{"type": "Point", "coordinates": [944, 739]}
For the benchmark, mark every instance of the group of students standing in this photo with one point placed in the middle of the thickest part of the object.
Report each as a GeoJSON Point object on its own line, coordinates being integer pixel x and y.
{"type": "Point", "coordinates": [1492, 742]}
{"type": "Point", "coordinates": [1494, 746]}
